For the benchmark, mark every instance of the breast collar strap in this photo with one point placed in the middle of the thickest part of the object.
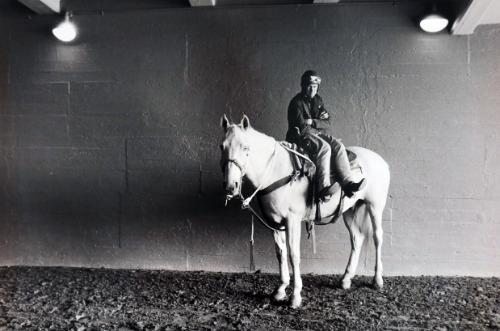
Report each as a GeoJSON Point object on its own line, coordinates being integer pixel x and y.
{"type": "Point", "coordinates": [279, 183]}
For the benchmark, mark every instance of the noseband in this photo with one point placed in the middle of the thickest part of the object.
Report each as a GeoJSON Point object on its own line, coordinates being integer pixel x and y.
{"type": "Point", "coordinates": [240, 166]}
{"type": "Point", "coordinates": [246, 201]}
{"type": "Point", "coordinates": [236, 163]}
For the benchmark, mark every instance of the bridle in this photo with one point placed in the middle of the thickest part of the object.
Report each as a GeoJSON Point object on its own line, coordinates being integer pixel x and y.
{"type": "Point", "coordinates": [242, 168]}
{"type": "Point", "coordinates": [245, 203]}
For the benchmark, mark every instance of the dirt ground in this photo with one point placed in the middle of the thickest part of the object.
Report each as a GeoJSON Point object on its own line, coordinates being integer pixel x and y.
{"type": "Point", "coordinates": [101, 299]}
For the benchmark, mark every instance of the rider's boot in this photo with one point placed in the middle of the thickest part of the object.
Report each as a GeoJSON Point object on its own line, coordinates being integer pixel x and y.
{"type": "Point", "coordinates": [343, 167]}
{"type": "Point", "coordinates": [352, 187]}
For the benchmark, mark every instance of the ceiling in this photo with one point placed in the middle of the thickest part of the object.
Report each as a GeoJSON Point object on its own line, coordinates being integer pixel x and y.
{"type": "Point", "coordinates": [116, 5]}
{"type": "Point", "coordinates": [465, 15]}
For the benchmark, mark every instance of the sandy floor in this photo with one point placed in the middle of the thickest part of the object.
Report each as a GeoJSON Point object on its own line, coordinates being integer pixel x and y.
{"type": "Point", "coordinates": [99, 299]}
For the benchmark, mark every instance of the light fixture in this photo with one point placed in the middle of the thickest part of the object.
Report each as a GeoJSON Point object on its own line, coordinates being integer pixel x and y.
{"type": "Point", "coordinates": [433, 23]}
{"type": "Point", "coordinates": [66, 30]}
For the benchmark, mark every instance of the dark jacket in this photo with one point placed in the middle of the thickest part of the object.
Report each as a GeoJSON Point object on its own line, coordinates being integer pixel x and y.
{"type": "Point", "coordinates": [302, 108]}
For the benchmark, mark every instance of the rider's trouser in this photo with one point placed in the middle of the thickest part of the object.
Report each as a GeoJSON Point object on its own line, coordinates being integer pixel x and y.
{"type": "Point", "coordinates": [339, 159]}
{"type": "Point", "coordinates": [328, 150]}
{"type": "Point", "coordinates": [321, 153]}
{"type": "Point", "coordinates": [323, 157]}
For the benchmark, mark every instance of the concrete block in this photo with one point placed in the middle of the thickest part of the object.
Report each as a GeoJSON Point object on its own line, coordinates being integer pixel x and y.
{"type": "Point", "coordinates": [106, 126]}
{"type": "Point", "coordinates": [34, 130]}
{"type": "Point", "coordinates": [93, 142]}
{"type": "Point", "coordinates": [168, 154]}
{"type": "Point", "coordinates": [414, 47]}
{"type": "Point", "coordinates": [105, 98]}
{"type": "Point", "coordinates": [45, 131]}
{"type": "Point", "coordinates": [35, 99]}
{"type": "Point", "coordinates": [72, 158]}
{"type": "Point", "coordinates": [32, 178]}
{"type": "Point", "coordinates": [10, 239]}
{"type": "Point", "coordinates": [164, 181]}
{"type": "Point", "coordinates": [69, 239]}
{"type": "Point", "coordinates": [84, 204]}
{"type": "Point", "coordinates": [7, 127]}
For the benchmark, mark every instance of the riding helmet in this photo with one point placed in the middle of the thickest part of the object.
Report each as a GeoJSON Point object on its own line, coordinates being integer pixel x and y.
{"type": "Point", "coordinates": [310, 77]}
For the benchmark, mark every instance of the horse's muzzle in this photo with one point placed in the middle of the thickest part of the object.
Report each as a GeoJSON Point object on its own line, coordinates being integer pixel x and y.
{"type": "Point", "coordinates": [232, 190]}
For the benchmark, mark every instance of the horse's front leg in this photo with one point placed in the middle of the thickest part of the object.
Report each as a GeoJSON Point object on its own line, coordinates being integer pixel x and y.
{"type": "Point", "coordinates": [279, 293]}
{"type": "Point", "coordinates": [293, 235]}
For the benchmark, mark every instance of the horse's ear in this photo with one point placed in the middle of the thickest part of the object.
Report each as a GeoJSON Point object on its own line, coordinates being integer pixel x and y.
{"type": "Point", "coordinates": [245, 122]}
{"type": "Point", "coordinates": [224, 122]}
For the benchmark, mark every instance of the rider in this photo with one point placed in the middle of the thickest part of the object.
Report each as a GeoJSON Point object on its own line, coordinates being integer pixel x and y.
{"type": "Point", "coordinates": [308, 126]}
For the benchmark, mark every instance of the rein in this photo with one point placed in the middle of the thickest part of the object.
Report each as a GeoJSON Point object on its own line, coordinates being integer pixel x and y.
{"type": "Point", "coordinates": [245, 202]}
{"type": "Point", "coordinates": [260, 218]}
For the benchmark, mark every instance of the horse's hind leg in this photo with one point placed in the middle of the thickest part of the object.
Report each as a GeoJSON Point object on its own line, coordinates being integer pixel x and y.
{"type": "Point", "coordinates": [378, 233]}
{"type": "Point", "coordinates": [279, 293]}
{"type": "Point", "coordinates": [353, 221]}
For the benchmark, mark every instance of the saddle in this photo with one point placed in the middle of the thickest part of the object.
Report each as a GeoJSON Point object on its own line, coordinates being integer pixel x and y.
{"type": "Point", "coordinates": [301, 162]}
{"type": "Point", "coordinates": [303, 166]}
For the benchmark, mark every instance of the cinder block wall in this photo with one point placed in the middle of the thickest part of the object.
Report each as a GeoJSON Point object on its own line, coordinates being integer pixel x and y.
{"type": "Point", "coordinates": [109, 146]}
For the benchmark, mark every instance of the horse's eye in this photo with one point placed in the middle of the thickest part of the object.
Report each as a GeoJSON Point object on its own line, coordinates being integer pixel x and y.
{"type": "Point", "coordinates": [245, 148]}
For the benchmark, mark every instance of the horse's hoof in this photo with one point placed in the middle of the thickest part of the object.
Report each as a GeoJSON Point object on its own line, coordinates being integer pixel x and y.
{"type": "Point", "coordinates": [295, 302]}
{"type": "Point", "coordinates": [378, 283]}
{"type": "Point", "coordinates": [279, 296]}
{"type": "Point", "coordinates": [346, 283]}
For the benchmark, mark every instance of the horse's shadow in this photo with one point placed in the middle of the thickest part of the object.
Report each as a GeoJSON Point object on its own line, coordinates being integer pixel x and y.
{"type": "Point", "coordinates": [331, 282]}
{"type": "Point", "coordinates": [335, 283]}
{"type": "Point", "coordinates": [364, 284]}
{"type": "Point", "coordinates": [264, 298]}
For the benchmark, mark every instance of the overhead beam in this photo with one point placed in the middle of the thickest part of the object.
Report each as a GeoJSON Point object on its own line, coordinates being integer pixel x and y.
{"type": "Point", "coordinates": [43, 6]}
{"type": "Point", "coordinates": [471, 18]}
{"type": "Point", "coordinates": [202, 3]}
{"type": "Point", "coordinates": [326, 1]}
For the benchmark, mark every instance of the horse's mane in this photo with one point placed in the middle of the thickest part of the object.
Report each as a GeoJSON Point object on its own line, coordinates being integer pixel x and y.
{"type": "Point", "coordinates": [260, 134]}
{"type": "Point", "coordinates": [251, 131]}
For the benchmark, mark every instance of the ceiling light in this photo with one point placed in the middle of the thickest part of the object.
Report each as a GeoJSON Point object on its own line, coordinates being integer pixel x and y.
{"type": "Point", "coordinates": [433, 23]}
{"type": "Point", "coordinates": [66, 30]}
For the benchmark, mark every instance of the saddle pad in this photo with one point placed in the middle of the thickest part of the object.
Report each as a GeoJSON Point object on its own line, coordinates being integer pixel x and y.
{"type": "Point", "coordinates": [356, 169]}
{"type": "Point", "coordinates": [353, 160]}
{"type": "Point", "coordinates": [300, 160]}
{"type": "Point", "coordinates": [351, 155]}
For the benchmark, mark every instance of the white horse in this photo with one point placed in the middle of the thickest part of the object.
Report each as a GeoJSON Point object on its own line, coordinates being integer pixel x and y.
{"type": "Point", "coordinates": [262, 161]}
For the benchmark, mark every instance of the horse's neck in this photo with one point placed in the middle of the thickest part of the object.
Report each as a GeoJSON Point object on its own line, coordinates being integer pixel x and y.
{"type": "Point", "coordinates": [266, 160]}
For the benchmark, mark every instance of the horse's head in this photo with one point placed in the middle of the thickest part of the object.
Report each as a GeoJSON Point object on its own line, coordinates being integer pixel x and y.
{"type": "Point", "coordinates": [235, 152]}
